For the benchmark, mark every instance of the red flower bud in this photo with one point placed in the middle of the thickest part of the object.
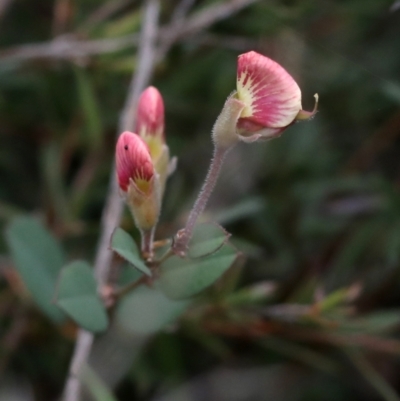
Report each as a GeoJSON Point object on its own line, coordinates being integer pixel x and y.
{"type": "Point", "coordinates": [150, 114]}
{"type": "Point", "coordinates": [133, 162]}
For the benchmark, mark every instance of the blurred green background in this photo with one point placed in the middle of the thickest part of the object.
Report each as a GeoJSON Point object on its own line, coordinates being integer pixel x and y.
{"type": "Point", "coordinates": [316, 212]}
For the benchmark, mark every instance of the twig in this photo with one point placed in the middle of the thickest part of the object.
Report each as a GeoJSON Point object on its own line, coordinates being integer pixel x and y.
{"type": "Point", "coordinates": [236, 43]}
{"type": "Point", "coordinates": [177, 21]}
{"type": "Point", "coordinates": [181, 10]}
{"type": "Point", "coordinates": [204, 19]}
{"type": "Point", "coordinates": [113, 210]}
{"type": "Point", "coordinates": [66, 47]}
{"type": "Point", "coordinates": [105, 11]}
{"type": "Point", "coordinates": [69, 47]}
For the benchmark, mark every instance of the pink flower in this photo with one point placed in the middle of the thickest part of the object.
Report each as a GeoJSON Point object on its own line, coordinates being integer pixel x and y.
{"type": "Point", "coordinates": [133, 161]}
{"type": "Point", "coordinates": [150, 127]}
{"type": "Point", "coordinates": [138, 180]}
{"type": "Point", "coordinates": [271, 97]}
{"type": "Point", "coordinates": [150, 114]}
{"type": "Point", "coordinates": [267, 101]}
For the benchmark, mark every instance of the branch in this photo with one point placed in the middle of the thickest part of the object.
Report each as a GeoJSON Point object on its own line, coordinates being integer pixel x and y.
{"type": "Point", "coordinates": [181, 10]}
{"type": "Point", "coordinates": [212, 14]}
{"type": "Point", "coordinates": [113, 209]}
{"type": "Point", "coordinates": [66, 47]}
{"type": "Point", "coordinates": [69, 47]}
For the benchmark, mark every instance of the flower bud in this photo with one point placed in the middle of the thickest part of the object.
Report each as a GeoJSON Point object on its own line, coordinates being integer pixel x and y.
{"type": "Point", "coordinates": [150, 119]}
{"type": "Point", "coordinates": [138, 180]}
{"type": "Point", "coordinates": [150, 127]}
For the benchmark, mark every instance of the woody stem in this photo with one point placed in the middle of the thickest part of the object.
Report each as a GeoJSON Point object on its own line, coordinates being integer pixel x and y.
{"type": "Point", "coordinates": [184, 236]}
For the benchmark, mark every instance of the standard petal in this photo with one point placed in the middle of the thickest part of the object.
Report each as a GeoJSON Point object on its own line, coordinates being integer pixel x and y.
{"type": "Point", "coordinates": [272, 97]}
{"type": "Point", "coordinates": [133, 161]}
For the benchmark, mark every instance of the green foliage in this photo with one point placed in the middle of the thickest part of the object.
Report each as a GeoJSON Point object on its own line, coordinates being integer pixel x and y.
{"type": "Point", "coordinates": [77, 296]}
{"type": "Point", "coordinates": [38, 259]}
{"type": "Point", "coordinates": [207, 239]}
{"type": "Point", "coordinates": [316, 212]}
{"type": "Point", "coordinates": [146, 310]}
{"type": "Point", "coordinates": [183, 278]}
{"type": "Point", "coordinates": [383, 321]}
{"type": "Point", "coordinates": [123, 244]}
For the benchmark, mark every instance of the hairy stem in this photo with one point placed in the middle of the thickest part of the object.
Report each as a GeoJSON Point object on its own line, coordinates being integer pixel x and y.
{"type": "Point", "coordinates": [183, 237]}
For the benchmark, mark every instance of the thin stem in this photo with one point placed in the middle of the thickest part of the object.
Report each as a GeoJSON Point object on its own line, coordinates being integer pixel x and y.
{"type": "Point", "coordinates": [164, 257]}
{"type": "Point", "coordinates": [129, 287]}
{"type": "Point", "coordinates": [183, 237]}
{"type": "Point", "coordinates": [147, 243]}
{"type": "Point", "coordinates": [113, 208]}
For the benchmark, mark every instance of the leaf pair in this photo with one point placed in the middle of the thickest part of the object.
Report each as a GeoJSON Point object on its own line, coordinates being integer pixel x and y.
{"type": "Point", "coordinates": [39, 260]}
{"type": "Point", "coordinates": [209, 256]}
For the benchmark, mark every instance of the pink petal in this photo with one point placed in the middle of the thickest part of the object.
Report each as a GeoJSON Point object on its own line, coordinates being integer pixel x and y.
{"type": "Point", "coordinates": [271, 95]}
{"type": "Point", "coordinates": [133, 160]}
{"type": "Point", "coordinates": [150, 113]}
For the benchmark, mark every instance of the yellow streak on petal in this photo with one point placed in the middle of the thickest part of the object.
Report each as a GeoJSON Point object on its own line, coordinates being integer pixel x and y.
{"type": "Point", "coordinates": [246, 94]}
{"type": "Point", "coordinates": [142, 185]}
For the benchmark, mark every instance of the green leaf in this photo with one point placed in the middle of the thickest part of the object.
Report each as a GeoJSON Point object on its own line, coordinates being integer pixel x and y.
{"type": "Point", "coordinates": [128, 275]}
{"type": "Point", "coordinates": [147, 310]}
{"type": "Point", "coordinates": [183, 278]}
{"type": "Point", "coordinates": [374, 323]}
{"type": "Point", "coordinates": [123, 244]}
{"type": "Point", "coordinates": [253, 294]}
{"type": "Point", "coordinates": [207, 239]}
{"type": "Point", "coordinates": [38, 259]}
{"type": "Point", "coordinates": [77, 296]}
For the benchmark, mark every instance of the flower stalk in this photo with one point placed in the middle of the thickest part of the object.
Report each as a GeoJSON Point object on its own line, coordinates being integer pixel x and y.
{"type": "Point", "coordinates": [147, 244]}
{"type": "Point", "coordinates": [267, 100]}
{"type": "Point", "coordinates": [184, 235]}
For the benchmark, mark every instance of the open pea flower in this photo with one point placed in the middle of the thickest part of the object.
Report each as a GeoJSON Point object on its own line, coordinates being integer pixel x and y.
{"type": "Point", "coordinates": [267, 100]}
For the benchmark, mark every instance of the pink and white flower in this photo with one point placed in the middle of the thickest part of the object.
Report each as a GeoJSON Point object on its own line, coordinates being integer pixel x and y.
{"type": "Point", "coordinates": [133, 161]}
{"type": "Point", "coordinates": [267, 100]}
{"type": "Point", "coordinates": [138, 180]}
{"type": "Point", "coordinates": [271, 96]}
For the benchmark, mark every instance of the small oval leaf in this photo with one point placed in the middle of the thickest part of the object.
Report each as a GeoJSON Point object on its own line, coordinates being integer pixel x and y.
{"type": "Point", "coordinates": [207, 238]}
{"type": "Point", "coordinates": [124, 245]}
{"type": "Point", "coordinates": [183, 278]}
{"type": "Point", "coordinates": [77, 297]}
{"type": "Point", "coordinates": [38, 259]}
{"type": "Point", "coordinates": [147, 310]}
